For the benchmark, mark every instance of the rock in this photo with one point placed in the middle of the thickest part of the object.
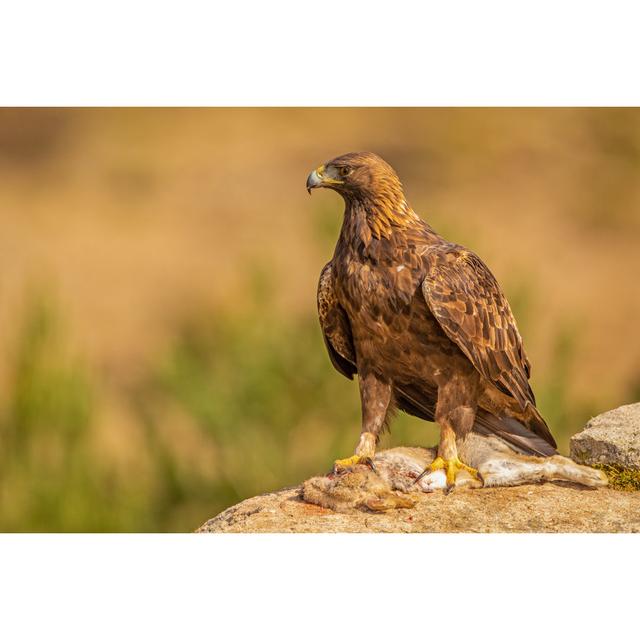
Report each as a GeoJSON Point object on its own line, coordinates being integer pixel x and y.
{"type": "Point", "coordinates": [391, 500]}
{"type": "Point", "coordinates": [612, 438]}
{"type": "Point", "coordinates": [529, 508]}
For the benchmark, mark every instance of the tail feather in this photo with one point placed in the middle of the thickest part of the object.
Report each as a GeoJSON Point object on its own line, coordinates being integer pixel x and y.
{"type": "Point", "coordinates": [534, 421]}
{"type": "Point", "coordinates": [515, 433]}
{"type": "Point", "coordinates": [534, 439]}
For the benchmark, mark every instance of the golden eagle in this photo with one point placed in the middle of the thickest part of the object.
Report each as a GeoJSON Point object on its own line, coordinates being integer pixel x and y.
{"type": "Point", "coordinates": [422, 321]}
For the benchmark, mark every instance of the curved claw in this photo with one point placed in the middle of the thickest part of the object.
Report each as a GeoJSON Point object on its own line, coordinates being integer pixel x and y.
{"type": "Point", "coordinates": [369, 463]}
{"type": "Point", "coordinates": [436, 465]}
{"type": "Point", "coordinates": [341, 466]}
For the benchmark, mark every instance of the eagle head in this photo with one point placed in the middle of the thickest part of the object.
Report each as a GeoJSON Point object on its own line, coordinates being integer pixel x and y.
{"type": "Point", "coordinates": [360, 176]}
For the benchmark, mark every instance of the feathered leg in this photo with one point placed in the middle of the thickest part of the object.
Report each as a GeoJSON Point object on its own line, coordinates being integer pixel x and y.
{"type": "Point", "coordinates": [455, 413]}
{"type": "Point", "coordinates": [375, 397]}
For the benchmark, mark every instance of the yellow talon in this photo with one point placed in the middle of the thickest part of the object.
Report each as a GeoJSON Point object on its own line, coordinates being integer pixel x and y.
{"type": "Point", "coordinates": [345, 463]}
{"type": "Point", "coordinates": [452, 466]}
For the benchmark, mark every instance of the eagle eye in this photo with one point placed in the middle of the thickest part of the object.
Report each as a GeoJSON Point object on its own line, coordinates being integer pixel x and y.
{"type": "Point", "coordinates": [344, 171]}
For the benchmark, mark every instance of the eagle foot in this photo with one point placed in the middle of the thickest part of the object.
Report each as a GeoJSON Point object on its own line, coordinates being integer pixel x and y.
{"type": "Point", "coordinates": [451, 467]}
{"type": "Point", "coordinates": [343, 465]}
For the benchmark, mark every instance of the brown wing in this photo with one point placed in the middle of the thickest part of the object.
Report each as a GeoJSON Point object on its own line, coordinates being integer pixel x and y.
{"type": "Point", "coordinates": [335, 326]}
{"type": "Point", "coordinates": [468, 303]}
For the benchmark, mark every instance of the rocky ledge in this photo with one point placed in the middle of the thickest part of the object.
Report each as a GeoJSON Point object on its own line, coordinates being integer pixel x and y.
{"type": "Point", "coordinates": [611, 440]}
{"type": "Point", "coordinates": [539, 508]}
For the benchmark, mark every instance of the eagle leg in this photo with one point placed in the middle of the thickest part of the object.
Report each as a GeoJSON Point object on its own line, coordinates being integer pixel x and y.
{"type": "Point", "coordinates": [375, 397]}
{"type": "Point", "coordinates": [455, 413]}
{"type": "Point", "coordinates": [453, 424]}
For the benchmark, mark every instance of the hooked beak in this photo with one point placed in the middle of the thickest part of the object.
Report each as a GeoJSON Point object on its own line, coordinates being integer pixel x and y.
{"type": "Point", "coordinates": [320, 178]}
{"type": "Point", "coordinates": [313, 181]}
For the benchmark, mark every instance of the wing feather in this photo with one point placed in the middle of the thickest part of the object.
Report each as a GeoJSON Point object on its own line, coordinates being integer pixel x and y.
{"type": "Point", "coordinates": [335, 326]}
{"type": "Point", "coordinates": [467, 301]}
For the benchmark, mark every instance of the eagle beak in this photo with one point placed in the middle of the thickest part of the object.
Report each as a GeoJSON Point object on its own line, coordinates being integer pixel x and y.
{"type": "Point", "coordinates": [314, 180]}
{"type": "Point", "coordinates": [319, 178]}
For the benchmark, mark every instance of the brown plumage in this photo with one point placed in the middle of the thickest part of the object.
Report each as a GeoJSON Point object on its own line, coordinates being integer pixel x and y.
{"type": "Point", "coordinates": [422, 321]}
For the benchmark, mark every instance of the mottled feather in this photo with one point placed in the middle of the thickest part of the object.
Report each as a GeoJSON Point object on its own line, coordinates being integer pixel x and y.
{"type": "Point", "coordinates": [335, 326]}
{"type": "Point", "coordinates": [468, 302]}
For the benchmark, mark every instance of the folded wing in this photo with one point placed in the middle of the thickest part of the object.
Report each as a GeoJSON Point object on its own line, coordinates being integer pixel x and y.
{"type": "Point", "coordinates": [467, 301]}
{"type": "Point", "coordinates": [335, 326]}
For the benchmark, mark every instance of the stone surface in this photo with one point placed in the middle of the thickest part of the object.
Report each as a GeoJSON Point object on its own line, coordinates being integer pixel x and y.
{"type": "Point", "coordinates": [611, 438]}
{"type": "Point", "coordinates": [529, 508]}
{"type": "Point", "coordinates": [360, 503]}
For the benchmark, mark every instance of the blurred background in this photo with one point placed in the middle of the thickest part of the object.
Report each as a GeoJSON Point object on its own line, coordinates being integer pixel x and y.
{"type": "Point", "coordinates": [160, 355]}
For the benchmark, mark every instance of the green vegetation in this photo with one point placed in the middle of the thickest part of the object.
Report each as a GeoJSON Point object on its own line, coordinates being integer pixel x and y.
{"type": "Point", "coordinates": [52, 474]}
{"type": "Point", "coordinates": [44, 430]}
{"type": "Point", "coordinates": [620, 478]}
